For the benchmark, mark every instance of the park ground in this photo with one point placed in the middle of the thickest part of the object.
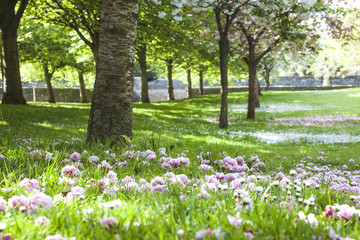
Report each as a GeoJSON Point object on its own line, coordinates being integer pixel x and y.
{"type": "Point", "coordinates": [292, 173]}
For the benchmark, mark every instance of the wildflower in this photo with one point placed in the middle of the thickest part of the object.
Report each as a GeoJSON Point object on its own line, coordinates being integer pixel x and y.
{"type": "Point", "coordinates": [39, 200]}
{"type": "Point", "coordinates": [94, 159]}
{"type": "Point", "coordinates": [105, 165]}
{"type": "Point", "coordinates": [75, 156]}
{"type": "Point", "coordinates": [41, 221]}
{"type": "Point", "coordinates": [30, 184]}
{"type": "Point", "coordinates": [157, 180]}
{"type": "Point", "coordinates": [112, 204]}
{"type": "Point", "coordinates": [2, 204]}
{"type": "Point", "coordinates": [234, 221]}
{"type": "Point", "coordinates": [205, 168]}
{"type": "Point", "coordinates": [109, 222]}
{"type": "Point", "coordinates": [181, 232]}
{"type": "Point", "coordinates": [59, 237]}
{"type": "Point", "coordinates": [68, 181]}
{"type": "Point", "coordinates": [70, 171]}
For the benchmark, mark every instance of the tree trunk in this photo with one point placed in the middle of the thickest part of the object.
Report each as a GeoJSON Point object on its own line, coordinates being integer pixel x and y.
{"type": "Point", "coordinates": [10, 15]}
{"type": "Point", "coordinates": [201, 82]}
{"type": "Point", "coordinates": [111, 108]}
{"type": "Point", "coordinates": [48, 76]}
{"type": "Point", "coordinates": [12, 89]}
{"type": "Point", "coordinates": [189, 87]}
{"type": "Point", "coordinates": [257, 103]}
{"type": "Point", "coordinates": [83, 97]}
{"type": "Point", "coordinates": [267, 77]}
{"type": "Point", "coordinates": [143, 73]}
{"type": "Point", "coordinates": [1, 62]}
{"type": "Point", "coordinates": [170, 80]}
{"type": "Point", "coordinates": [259, 87]}
{"type": "Point", "coordinates": [253, 92]}
{"type": "Point", "coordinates": [224, 46]}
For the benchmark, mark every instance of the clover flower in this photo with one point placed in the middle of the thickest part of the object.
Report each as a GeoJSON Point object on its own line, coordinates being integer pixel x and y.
{"type": "Point", "coordinates": [2, 204]}
{"type": "Point", "coordinates": [58, 237]}
{"type": "Point", "coordinates": [41, 221]}
{"type": "Point", "coordinates": [29, 184]}
{"type": "Point", "coordinates": [75, 156]}
{"type": "Point", "coordinates": [94, 159]}
{"type": "Point", "coordinates": [109, 222]}
{"type": "Point", "coordinates": [70, 171]}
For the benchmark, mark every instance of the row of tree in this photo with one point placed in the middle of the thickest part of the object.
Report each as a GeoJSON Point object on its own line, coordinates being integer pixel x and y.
{"type": "Point", "coordinates": [196, 34]}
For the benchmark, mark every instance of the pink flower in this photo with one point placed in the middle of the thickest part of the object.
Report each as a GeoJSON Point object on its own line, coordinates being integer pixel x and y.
{"type": "Point", "coordinates": [77, 191]}
{"type": "Point", "coordinates": [18, 201]}
{"type": "Point", "coordinates": [174, 162]}
{"type": "Point", "coordinates": [181, 232]}
{"type": "Point", "coordinates": [112, 204]}
{"type": "Point", "coordinates": [112, 176]}
{"type": "Point", "coordinates": [109, 222]}
{"type": "Point", "coordinates": [104, 165]}
{"type": "Point", "coordinates": [30, 184]}
{"type": "Point", "coordinates": [2, 204]}
{"type": "Point", "coordinates": [68, 181]}
{"type": "Point", "coordinates": [151, 157]}
{"type": "Point", "coordinates": [58, 237]}
{"type": "Point", "coordinates": [41, 221]}
{"type": "Point", "coordinates": [70, 171]}
{"type": "Point", "coordinates": [94, 159]}
{"type": "Point", "coordinates": [345, 167]}
{"type": "Point", "coordinates": [75, 156]}
{"type": "Point", "coordinates": [234, 221]}
{"type": "Point", "coordinates": [205, 168]}
{"type": "Point", "coordinates": [184, 161]}
{"type": "Point", "coordinates": [40, 200]}
{"type": "Point", "coordinates": [157, 180]}
{"type": "Point", "coordinates": [160, 188]}
{"type": "Point", "coordinates": [345, 212]}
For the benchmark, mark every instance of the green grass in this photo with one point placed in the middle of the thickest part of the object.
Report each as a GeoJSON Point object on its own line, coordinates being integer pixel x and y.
{"type": "Point", "coordinates": [186, 127]}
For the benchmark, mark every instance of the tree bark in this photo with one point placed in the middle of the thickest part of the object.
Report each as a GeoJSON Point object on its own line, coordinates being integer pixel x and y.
{"type": "Point", "coordinates": [201, 82]}
{"type": "Point", "coordinates": [169, 64]}
{"type": "Point", "coordinates": [12, 89]}
{"type": "Point", "coordinates": [111, 108]}
{"type": "Point", "coordinates": [1, 63]}
{"type": "Point", "coordinates": [83, 97]}
{"type": "Point", "coordinates": [257, 103]}
{"type": "Point", "coordinates": [189, 87]}
{"type": "Point", "coordinates": [143, 73]}
{"type": "Point", "coordinates": [267, 77]}
{"type": "Point", "coordinates": [48, 76]}
{"type": "Point", "coordinates": [253, 92]}
{"type": "Point", "coordinates": [9, 23]}
{"type": "Point", "coordinates": [224, 46]}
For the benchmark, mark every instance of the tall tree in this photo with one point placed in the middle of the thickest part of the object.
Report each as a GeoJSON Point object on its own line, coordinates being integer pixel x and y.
{"type": "Point", "coordinates": [81, 16]}
{"type": "Point", "coordinates": [11, 12]}
{"type": "Point", "coordinates": [47, 45]}
{"type": "Point", "coordinates": [111, 108]}
{"type": "Point", "coordinates": [265, 25]}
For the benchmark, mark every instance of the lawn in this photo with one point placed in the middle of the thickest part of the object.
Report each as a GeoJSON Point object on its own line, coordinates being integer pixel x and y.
{"type": "Point", "coordinates": [290, 174]}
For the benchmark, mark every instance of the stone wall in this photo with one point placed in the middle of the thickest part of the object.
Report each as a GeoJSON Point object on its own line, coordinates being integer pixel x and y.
{"type": "Point", "coordinates": [158, 89]}
{"type": "Point", "coordinates": [61, 94]}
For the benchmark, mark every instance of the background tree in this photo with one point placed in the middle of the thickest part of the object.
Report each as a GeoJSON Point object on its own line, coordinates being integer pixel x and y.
{"type": "Point", "coordinates": [81, 16]}
{"type": "Point", "coordinates": [47, 45]}
{"type": "Point", "coordinates": [267, 24]}
{"type": "Point", "coordinates": [111, 108]}
{"type": "Point", "coordinates": [11, 12]}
